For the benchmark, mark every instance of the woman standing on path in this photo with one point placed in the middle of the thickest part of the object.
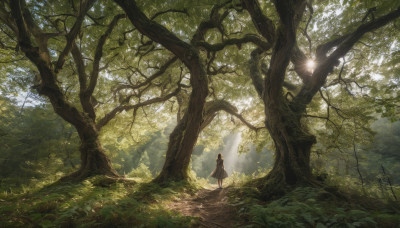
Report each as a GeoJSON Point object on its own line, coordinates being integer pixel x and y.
{"type": "Point", "coordinates": [219, 172]}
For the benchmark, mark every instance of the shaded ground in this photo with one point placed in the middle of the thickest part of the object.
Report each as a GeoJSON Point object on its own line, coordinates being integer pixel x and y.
{"type": "Point", "coordinates": [210, 206]}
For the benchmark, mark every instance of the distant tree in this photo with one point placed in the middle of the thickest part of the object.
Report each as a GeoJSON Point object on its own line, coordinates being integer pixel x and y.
{"type": "Point", "coordinates": [36, 143]}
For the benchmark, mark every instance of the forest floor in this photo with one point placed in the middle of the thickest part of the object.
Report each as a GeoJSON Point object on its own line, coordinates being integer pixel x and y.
{"type": "Point", "coordinates": [210, 205]}
{"type": "Point", "coordinates": [92, 203]}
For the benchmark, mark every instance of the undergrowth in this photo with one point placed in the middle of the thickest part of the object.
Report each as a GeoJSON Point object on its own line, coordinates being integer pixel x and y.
{"type": "Point", "coordinates": [338, 205]}
{"type": "Point", "coordinates": [304, 208]}
{"type": "Point", "coordinates": [85, 204]}
{"type": "Point", "coordinates": [137, 202]}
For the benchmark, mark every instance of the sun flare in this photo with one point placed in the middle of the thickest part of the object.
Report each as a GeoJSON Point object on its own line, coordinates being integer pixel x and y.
{"type": "Point", "coordinates": [310, 65]}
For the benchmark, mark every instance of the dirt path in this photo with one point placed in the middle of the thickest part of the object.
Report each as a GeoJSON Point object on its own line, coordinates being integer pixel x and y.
{"type": "Point", "coordinates": [210, 205]}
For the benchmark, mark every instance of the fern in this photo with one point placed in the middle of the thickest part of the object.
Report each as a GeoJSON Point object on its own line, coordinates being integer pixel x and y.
{"type": "Point", "coordinates": [301, 208]}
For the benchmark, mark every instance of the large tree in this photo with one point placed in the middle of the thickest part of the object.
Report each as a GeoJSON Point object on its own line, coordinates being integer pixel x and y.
{"type": "Point", "coordinates": [198, 112]}
{"type": "Point", "coordinates": [49, 35]}
{"type": "Point", "coordinates": [283, 114]}
{"type": "Point", "coordinates": [183, 137]}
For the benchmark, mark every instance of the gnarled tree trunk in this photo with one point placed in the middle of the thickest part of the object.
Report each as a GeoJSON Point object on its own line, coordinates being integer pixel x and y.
{"type": "Point", "coordinates": [176, 165]}
{"type": "Point", "coordinates": [93, 159]}
{"type": "Point", "coordinates": [184, 137]}
{"type": "Point", "coordinates": [292, 142]}
{"type": "Point", "coordinates": [293, 146]}
{"type": "Point", "coordinates": [283, 117]}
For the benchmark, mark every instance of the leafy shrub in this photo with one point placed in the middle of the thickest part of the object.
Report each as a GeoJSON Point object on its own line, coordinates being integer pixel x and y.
{"type": "Point", "coordinates": [142, 172]}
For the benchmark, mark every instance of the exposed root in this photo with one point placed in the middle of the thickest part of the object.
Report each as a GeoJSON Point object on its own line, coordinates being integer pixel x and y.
{"type": "Point", "coordinates": [106, 181]}
{"type": "Point", "coordinates": [166, 180]}
{"type": "Point", "coordinates": [82, 174]}
{"type": "Point", "coordinates": [273, 186]}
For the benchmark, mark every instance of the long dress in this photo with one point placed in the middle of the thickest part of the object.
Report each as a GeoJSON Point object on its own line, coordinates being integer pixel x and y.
{"type": "Point", "coordinates": [219, 172]}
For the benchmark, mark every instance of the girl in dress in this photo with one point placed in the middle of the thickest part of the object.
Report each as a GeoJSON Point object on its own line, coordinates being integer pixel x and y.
{"type": "Point", "coordinates": [219, 171]}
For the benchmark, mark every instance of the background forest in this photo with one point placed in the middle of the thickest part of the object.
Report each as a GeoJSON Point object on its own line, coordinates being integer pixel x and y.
{"type": "Point", "coordinates": [111, 112]}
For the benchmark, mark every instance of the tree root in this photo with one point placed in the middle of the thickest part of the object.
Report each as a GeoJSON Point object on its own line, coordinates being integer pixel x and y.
{"type": "Point", "coordinates": [98, 180]}
{"type": "Point", "coordinates": [166, 180]}
{"type": "Point", "coordinates": [273, 186]}
{"type": "Point", "coordinates": [82, 174]}
{"type": "Point", "coordinates": [106, 181]}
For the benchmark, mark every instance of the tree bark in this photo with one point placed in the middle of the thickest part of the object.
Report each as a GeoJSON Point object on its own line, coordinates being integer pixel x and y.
{"type": "Point", "coordinates": [93, 159]}
{"type": "Point", "coordinates": [176, 165]}
{"type": "Point", "coordinates": [184, 137]}
{"type": "Point", "coordinates": [293, 146]}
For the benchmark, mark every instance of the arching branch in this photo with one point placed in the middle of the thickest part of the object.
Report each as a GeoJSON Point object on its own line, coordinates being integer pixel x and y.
{"type": "Point", "coordinates": [213, 107]}
{"type": "Point", "coordinates": [155, 31]}
{"type": "Point", "coordinates": [249, 38]}
{"type": "Point", "coordinates": [48, 85]}
{"type": "Point", "coordinates": [323, 49]}
{"type": "Point", "coordinates": [184, 11]}
{"type": "Point", "coordinates": [267, 29]}
{"type": "Point", "coordinates": [80, 65]}
{"type": "Point", "coordinates": [290, 13]}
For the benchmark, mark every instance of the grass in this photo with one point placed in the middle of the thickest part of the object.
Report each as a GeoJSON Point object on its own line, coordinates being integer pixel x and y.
{"type": "Point", "coordinates": [137, 202]}
{"type": "Point", "coordinates": [125, 204]}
